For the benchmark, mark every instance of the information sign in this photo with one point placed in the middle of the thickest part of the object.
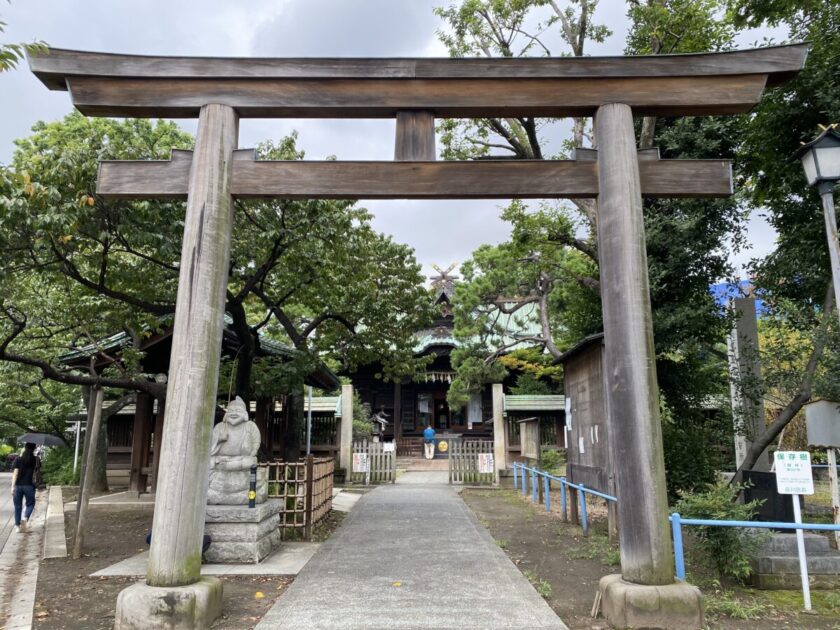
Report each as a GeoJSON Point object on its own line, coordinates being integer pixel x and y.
{"type": "Point", "coordinates": [360, 462]}
{"type": "Point", "coordinates": [485, 463]}
{"type": "Point", "coordinates": [793, 472]}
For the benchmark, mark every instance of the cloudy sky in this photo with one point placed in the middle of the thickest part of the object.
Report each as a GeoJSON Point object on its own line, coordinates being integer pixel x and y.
{"type": "Point", "coordinates": [441, 232]}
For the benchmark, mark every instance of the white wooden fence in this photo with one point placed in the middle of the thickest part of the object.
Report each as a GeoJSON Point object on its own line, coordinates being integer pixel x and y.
{"type": "Point", "coordinates": [471, 461]}
{"type": "Point", "coordinates": [374, 462]}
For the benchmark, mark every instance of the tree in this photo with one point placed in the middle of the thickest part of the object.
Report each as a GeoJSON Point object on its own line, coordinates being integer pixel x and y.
{"type": "Point", "coordinates": [12, 54]}
{"type": "Point", "coordinates": [792, 279]}
{"type": "Point", "coordinates": [310, 273]}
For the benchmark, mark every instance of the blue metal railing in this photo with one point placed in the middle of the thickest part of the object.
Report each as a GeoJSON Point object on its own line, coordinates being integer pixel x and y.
{"type": "Point", "coordinates": [520, 482]}
{"type": "Point", "coordinates": [677, 522]}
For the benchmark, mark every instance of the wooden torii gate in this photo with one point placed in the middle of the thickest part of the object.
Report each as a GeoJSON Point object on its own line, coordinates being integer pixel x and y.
{"type": "Point", "coordinates": [220, 91]}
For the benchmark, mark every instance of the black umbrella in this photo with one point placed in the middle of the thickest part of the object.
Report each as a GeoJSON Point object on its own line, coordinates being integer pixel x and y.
{"type": "Point", "coordinates": [44, 439]}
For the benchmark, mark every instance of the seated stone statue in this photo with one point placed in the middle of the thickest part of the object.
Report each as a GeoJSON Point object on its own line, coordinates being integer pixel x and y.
{"type": "Point", "coordinates": [235, 443]}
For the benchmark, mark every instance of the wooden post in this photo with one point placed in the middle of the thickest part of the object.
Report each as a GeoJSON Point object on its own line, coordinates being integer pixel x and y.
{"type": "Point", "coordinates": [499, 441]}
{"type": "Point", "coordinates": [158, 442]}
{"type": "Point", "coordinates": [634, 425]}
{"type": "Point", "coordinates": [175, 555]}
{"type": "Point", "coordinates": [345, 443]}
{"type": "Point", "coordinates": [137, 480]}
{"type": "Point", "coordinates": [261, 420]}
{"type": "Point", "coordinates": [397, 411]}
{"type": "Point", "coordinates": [834, 490]}
{"type": "Point", "coordinates": [84, 491]}
{"type": "Point", "coordinates": [307, 516]}
{"type": "Point", "coordinates": [415, 136]}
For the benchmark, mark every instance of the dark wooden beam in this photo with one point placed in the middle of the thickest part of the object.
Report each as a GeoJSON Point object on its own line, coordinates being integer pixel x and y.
{"type": "Point", "coordinates": [445, 98]}
{"type": "Point", "coordinates": [415, 136]}
{"type": "Point", "coordinates": [502, 179]}
{"type": "Point", "coordinates": [54, 67]}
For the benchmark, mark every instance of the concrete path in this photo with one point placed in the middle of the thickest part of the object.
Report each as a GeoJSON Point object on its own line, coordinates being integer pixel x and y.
{"type": "Point", "coordinates": [19, 563]}
{"type": "Point", "coordinates": [410, 556]}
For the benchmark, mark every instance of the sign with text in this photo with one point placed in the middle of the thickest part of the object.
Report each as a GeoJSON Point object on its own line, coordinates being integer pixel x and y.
{"type": "Point", "coordinates": [388, 447]}
{"type": "Point", "coordinates": [793, 472]}
{"type": "Point", "coordinates": [360, 462]}
{"type": "Point", "coordinates": [485, 463]}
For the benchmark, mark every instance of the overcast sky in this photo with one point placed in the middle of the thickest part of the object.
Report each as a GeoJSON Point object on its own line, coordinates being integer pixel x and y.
{"type": "Point", "coordinates": [441, 232]}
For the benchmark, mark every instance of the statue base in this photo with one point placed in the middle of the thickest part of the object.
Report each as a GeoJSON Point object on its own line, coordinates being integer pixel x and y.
{"type": "Point", "coordinates": [144, 607]}
{"type": "Point", "coordinates": [230, 487]}
{"type": "Point", "coordinates": [677, 606]}
{"type": "Point", "coordinates": [239, 534]}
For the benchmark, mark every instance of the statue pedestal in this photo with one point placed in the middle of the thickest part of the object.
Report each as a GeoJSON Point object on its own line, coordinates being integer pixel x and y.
{"type": "Point", "coordinates": [240, 534]}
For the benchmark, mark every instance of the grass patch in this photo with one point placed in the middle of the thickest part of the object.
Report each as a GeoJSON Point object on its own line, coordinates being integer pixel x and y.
{"type": "Point", "coordinates": [726, 603]}
{"type": "Point", "coordinates": [503, 544]}
{"type": "Point", "coordinates": [597, 548]}
{"type": "Point", "coordinates": [822, 602]}
{"type": "Point", "coordinates": [541, 586]}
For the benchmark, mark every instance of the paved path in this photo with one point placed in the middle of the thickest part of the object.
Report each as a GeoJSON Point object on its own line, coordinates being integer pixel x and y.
{"type": "Point", "coordinates": [19, 563]}
{"type": "Point", "coordinates": [410, 556]}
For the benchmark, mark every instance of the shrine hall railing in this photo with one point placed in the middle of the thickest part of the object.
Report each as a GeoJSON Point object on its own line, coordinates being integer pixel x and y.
{"type": "Point", "coordinates": [306, 490]}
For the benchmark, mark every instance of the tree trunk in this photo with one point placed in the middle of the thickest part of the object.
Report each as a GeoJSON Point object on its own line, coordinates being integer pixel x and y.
{"type": "Point", "coordinates": [294, 425]}
{"type": "Point", "coordinates": [99, 480]}
{"type": "Point", "coordinates": [247, 350]}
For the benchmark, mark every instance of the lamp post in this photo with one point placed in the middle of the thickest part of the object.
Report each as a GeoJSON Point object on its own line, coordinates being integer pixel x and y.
{"type": "Point", "coordinates": [821, 161]}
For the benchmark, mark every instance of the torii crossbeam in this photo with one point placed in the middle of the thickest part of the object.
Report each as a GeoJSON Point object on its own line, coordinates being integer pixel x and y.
{"type": "Point", "coordinates": [219, 91]}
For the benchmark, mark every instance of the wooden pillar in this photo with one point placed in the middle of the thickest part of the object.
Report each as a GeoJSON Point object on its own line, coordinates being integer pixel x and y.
{"type": "Point", "coordinates": [415, 136]}
{"type": "Point", "coordinates": [140, 437]}
{"type": "Point", "coordinates": [499, 434]}
{"type": "Point", "coordinates": [261, 420]}
{"type": "Point", "coordinates": [175, 555]}
{"type": "Point", "coordinates": [345, 441]}
{"type": "Point", "coordinates": [397, 410]}
{"type": "Point", "coordinates": [634, 425]}
{"type": "Point", "coordinates": [158, 442]}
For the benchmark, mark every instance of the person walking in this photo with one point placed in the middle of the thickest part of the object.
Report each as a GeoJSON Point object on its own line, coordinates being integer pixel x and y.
{"type": "Point", "coordinates": [23, 486]}
{"type": "Point", "coordinates": [429, 441]}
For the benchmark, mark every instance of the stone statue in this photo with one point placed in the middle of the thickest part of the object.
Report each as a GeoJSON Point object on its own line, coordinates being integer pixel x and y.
{"type": "Point", "coordinates": [235, 443]}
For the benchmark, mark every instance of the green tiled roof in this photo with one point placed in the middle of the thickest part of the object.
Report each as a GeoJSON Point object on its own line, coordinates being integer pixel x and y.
{"type": "Point", "coordinates": [551, 402]}
{"type": "Point", "coordinates": [324, 404]}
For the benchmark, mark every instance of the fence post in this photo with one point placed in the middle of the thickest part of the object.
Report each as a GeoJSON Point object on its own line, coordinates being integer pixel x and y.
{"type": "Point", "coordinates": [679, 561]}
{"type": "Point", "coordinates": [534, 483]}
{"type": "Point", "coordinates": [563, 500]}
{"type": "Point", "coordinates": [582, 499]}
{"type": "Point", "coordinates": [547, 487]}
{"type": "Point", "coordinates": [515, 484]}
{"type": "Point", "coordinates": [307, 514]}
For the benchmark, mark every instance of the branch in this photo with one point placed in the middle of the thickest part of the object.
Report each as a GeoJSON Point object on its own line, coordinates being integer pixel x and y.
{"type": "Point", "coordinates": [803, 394]}
{"type": "Point", "coordinates": [324, 317]}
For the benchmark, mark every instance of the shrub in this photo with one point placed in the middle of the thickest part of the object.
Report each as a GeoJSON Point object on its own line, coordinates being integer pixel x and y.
{"type": "Point", "coordinates": [5, 449]}
{"type": "Point", "coordinates": [57, 467]}
{"type": "Point", "coordinates": [728, 550]}
{"type": "Point", "coordinates": [553, 460]}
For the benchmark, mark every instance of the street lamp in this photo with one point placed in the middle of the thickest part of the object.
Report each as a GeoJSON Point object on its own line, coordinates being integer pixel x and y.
{"type": "Point", "coordinates": [821, 161]}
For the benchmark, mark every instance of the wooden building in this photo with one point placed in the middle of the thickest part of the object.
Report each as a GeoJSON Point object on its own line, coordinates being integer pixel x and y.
{"type": "Point", "coordinates": [135, 432]}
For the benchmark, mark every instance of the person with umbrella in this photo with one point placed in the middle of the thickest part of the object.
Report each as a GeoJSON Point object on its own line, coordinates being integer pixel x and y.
{"type": "Point", "coordinates": [23, 486]}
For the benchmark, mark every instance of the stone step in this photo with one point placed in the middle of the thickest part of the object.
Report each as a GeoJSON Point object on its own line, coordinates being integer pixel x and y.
{"type": "Point", "coordinates": [785, 544]}
{"type": "Point", "coordinates": [818, 563]}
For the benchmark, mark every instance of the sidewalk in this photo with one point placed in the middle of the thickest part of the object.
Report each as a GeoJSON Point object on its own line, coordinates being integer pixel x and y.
{"type": "Point", "coordinates": [410, 556]}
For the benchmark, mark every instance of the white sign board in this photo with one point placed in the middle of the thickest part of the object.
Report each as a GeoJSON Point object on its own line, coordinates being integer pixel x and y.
{"type": "Point", "coordinates": [485, 463]}
{"type": "Point", "coordinates": [360, 462]}
{"type": "Point", "coordinates": [388, 447]}
{"type": "Point", "coordinates": [793, 472]}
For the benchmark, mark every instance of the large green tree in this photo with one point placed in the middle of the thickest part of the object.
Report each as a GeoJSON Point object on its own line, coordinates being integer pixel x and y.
{"type": "Point", "coordinates": [313, 274]}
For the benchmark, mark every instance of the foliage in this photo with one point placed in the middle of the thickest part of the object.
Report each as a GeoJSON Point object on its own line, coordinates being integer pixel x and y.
{"type": "Point", "coordinates": [362, 424]}
{"type": "Point", "coordinates": [57, 467]}
{"type": "Point", "coordinates": [722, 602]}
{"type": "Point", "coordinates": [669, 27]}
{"type": "Point", "coordinates": [5, 449]}
{"type": "Point", "coordinates": [553, 460]}
{"type": "Point", "coordinates": [728, 550]}
{"type": "Point", "coordinates": [12, 54]}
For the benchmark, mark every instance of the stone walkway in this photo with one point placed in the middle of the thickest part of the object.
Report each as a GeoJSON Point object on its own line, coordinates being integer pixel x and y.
{"type": "Point", "coordinates": [410, 556]}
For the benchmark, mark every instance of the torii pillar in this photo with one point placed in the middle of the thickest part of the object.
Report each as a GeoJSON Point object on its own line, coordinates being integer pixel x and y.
{"type": "Point", "coordinates": [175, 594]}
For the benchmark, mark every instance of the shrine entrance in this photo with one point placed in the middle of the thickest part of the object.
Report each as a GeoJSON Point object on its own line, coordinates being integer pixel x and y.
{"type": "Point", "coordinates": [220, 91]}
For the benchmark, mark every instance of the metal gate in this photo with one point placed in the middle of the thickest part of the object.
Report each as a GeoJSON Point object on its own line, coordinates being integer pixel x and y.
{"type": "Point", "coordinates": [471, 461]}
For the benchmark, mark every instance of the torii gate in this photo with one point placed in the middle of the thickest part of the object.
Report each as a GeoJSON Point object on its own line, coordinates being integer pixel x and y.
{"type": "Point", "coordinates": [415, 91]}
